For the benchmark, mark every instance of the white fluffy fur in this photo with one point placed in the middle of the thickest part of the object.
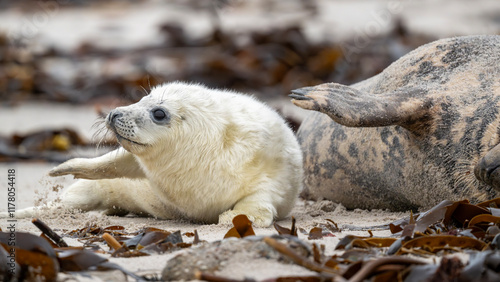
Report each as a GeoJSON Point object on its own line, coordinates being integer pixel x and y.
{"type": "Point", "coordinates": [220, 155]}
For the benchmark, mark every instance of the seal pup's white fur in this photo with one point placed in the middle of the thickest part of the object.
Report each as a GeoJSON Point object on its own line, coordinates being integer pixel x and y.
{"type": "Point", "coordinates": [188, 151]}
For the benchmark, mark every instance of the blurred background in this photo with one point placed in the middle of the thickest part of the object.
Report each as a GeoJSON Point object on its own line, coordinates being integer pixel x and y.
{"type": "Point", "coordinates": [65, 63]}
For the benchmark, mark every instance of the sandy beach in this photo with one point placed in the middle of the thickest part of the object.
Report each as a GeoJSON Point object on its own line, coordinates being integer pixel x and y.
{"type": "Point", "coordinates": [67, 73]}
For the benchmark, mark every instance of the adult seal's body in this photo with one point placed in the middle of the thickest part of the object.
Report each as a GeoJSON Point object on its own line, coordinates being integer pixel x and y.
{"type": "Point", "coordinates": [423, 130]}
{"type": "Point", "coordinates": [191, 152]}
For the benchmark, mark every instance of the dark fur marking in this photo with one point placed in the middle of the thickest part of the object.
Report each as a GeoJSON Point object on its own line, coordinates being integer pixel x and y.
{"type": "Point", "coordinates": [384, 135]}
{"type": "Point", "coordinates": [353, 151]}
{"type": "Point", "coordinates": [458, 55]}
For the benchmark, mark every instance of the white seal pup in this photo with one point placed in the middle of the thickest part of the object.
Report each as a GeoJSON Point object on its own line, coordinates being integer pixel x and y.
{"type": "Point", "coordinates": [191, 152]}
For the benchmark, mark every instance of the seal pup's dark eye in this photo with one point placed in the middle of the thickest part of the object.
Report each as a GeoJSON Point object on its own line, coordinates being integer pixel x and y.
{"type": "Point", "coordinates": [160, 116]}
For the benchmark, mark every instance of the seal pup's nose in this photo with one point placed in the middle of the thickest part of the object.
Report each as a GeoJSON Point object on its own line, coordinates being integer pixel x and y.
{"type": "Point", "coordinates": [113, 115]}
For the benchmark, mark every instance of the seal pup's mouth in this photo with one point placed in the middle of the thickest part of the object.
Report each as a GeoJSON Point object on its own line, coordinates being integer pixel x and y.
{"type": "Point", "coordinates": [110, 124]}
{"type": "Point", "coordinates": [120, 138]}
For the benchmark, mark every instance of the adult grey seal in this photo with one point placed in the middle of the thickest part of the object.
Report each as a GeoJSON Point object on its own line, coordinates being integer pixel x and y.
{"type": "Point", "coordinates": [191, 152]}
{"type": "Point", "coordinates": [424, 130]}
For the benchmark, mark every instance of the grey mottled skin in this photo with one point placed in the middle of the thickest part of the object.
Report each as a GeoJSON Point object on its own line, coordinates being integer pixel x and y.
{"type": "Point", "coordinates": [411, 136]}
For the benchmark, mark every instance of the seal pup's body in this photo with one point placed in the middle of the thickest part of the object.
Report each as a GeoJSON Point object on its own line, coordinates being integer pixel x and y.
{"type": "Point", "coordinates": [411, 136]}
{"type": "Point", "coordinates": [191, 152]}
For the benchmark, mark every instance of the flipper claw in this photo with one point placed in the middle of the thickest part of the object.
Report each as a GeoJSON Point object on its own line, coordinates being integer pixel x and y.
{"type": "Point", "coordinates": [299, 97]}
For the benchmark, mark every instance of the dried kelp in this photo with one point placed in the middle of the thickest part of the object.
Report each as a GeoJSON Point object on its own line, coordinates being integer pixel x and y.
{"type": "Point", "coordinates": [41, 258]}
{"type": "Point", "coordinates": [49, 145]}
{"type": "Point", "coordinates": [446, 229]}
{"type": "Point", "coordinates": [268, 61]}
{"type": "Point", "coordinates": [242, 227]}
{"type": "Point", "coordinates": [32, 258]}
{"type": "Point", "coordinates": [286, 231]}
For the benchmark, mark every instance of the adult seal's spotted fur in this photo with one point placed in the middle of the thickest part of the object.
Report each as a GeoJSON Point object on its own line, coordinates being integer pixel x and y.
{"type": "Point", "coordinates": [191, 152]}
{"type": "Point", "coordinates": [425, 129]}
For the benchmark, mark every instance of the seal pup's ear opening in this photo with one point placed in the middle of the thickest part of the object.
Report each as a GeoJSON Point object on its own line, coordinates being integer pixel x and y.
{"type": "Point", "coordinates": [351, 107]}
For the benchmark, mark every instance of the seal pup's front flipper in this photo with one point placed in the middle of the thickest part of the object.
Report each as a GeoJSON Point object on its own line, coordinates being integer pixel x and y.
{"type": "Point", "coordinates": [115, 164]}
{"type": "Point", "coordinates": [487, 169]}
{"type": "Point", "coordinates": [351, 107]}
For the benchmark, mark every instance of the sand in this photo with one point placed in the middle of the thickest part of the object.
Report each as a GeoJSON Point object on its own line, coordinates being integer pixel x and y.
{"type": "Point", "coordinates": [37, 188]}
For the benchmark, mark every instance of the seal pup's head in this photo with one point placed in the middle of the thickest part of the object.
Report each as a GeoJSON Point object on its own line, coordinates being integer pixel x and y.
{"type": "Point", "coordinates": [170, 113]}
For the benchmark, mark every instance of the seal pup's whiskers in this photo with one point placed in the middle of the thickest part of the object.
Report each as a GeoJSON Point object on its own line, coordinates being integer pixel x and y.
{"type": "Point", "coordinates": [102, 134]}
{"type": "Point", "coordinates": [162, 99]}
{"type": "Point", "coordinates": [145, 91]}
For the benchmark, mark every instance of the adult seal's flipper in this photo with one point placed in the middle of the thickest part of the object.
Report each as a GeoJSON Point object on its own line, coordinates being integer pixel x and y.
{"type": "Point", "coordinates": [351, 107]}
{"type": "Point", "coordinates": [487, 169]}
